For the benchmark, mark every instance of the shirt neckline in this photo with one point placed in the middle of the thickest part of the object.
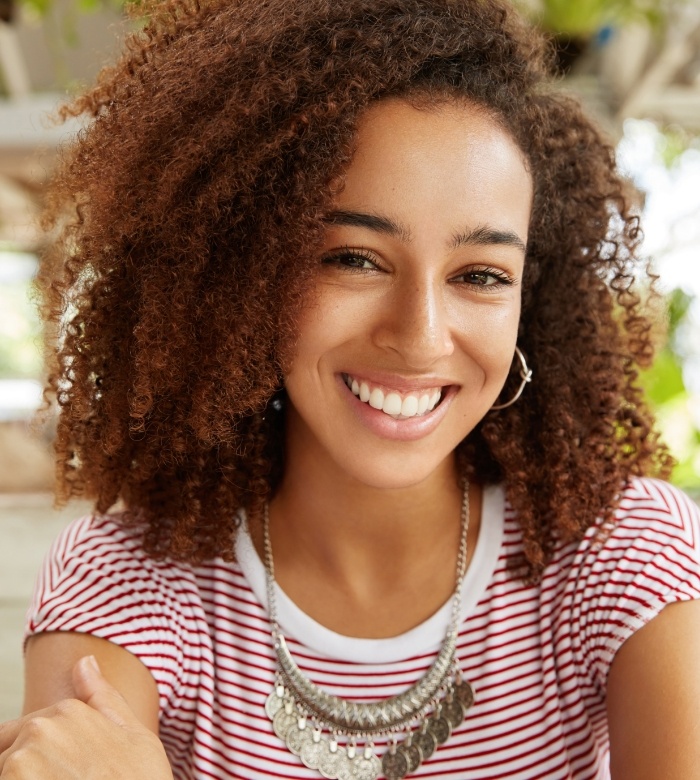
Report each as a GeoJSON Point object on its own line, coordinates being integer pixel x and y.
{"type": "Point", "coordinates": [424, 638]}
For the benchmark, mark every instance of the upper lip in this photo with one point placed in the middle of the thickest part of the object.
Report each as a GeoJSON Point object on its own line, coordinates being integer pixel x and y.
{"type": "Point", "coordinates": [397, 382]}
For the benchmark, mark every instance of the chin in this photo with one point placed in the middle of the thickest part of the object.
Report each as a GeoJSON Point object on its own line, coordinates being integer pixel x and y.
{"type": "Point", "coordinates": [393, 473]}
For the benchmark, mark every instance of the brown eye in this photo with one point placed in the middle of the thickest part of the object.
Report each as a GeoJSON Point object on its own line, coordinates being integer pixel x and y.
{"type": "Point", "coordinates": [485, 277]}
{"type": "Point", "coordinates": [355, 260]}
{"type": "Point", "coordinates": [481, 278]}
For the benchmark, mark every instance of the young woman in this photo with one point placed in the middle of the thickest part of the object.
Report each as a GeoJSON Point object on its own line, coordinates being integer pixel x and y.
{"type": "Point", "coordinates": [349, 318]}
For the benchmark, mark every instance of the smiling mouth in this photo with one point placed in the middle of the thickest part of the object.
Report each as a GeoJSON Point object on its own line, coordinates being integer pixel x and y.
{"type": "Point", "coordinates": [400, 406]}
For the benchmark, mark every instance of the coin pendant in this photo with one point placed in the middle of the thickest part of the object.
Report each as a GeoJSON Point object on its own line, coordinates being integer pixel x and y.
{"type": "Point", "coordinates": [454, 712]}
{"type": "Point", "coordinates": [345, 769]}
{"type": "Point", "coordinates": [296, 738]}
{"type": "Point", "coordinates": [332, 762]}
{"type": "Point", "coordinates": [273, 704]}
{"type": "Point", "coordinates": [414, 758]}
{"type": "Point", "coordinates": [282, 722]}
{"type": "Point", "coordinates": [366, 767]}
{"type": "Point", "coordinates": [427, 743]}
{"type": "Point", "coordinates": [312, 753]}
{"type": "Point", "coordinates": [465, 693]}
{"type": "Point", "coordinates": [394, 765]}
{"type": "Point", "coordinates": [440, 729]}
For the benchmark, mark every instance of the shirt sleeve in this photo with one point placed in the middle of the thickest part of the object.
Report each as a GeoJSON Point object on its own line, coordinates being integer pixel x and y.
{"type": "Point", "coordinates": [649, 559]}
{"type": "Point", "coordinates": [97, 580]}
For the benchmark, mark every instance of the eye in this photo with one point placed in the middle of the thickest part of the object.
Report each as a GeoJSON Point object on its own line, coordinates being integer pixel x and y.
{"type": "Point", "coordinates": [351, 259]}
{"type": "Point", "coordinates": [485, 278]}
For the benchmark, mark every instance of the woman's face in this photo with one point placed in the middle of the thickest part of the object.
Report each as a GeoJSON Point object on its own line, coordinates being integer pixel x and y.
{"type": "Point", "coordinates": [410, 331]}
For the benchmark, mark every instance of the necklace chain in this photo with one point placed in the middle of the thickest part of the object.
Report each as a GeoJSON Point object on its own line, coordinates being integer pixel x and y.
{"type": "Point", "coordinates": [296, 699]}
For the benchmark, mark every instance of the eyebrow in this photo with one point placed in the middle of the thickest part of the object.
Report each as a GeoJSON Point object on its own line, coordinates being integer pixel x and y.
{"type": "Point", "coordinates": [481, 235]}
{"type": "Point", "coordinates": [375, 222]}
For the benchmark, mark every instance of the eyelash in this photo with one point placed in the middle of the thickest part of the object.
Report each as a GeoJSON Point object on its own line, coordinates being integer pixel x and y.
{"type": "Point", "coordinates": [346, 253]}
{"type": "Point", "coordinates": [502, 279]}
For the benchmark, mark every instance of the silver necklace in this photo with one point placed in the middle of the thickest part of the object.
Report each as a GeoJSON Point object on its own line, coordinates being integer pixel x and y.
{"type": "Point", "coordinates": [335, 736]}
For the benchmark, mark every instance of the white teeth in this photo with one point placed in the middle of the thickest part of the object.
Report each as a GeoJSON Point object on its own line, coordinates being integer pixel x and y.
{"type": "Point", "coordinates": [392, 404]}
{"type": "Point", "coordinates": [376, 398]}
{"type": "Point", "coordinates": [409, 406]}
{"type": "Point", "coordinates": [412, 405]}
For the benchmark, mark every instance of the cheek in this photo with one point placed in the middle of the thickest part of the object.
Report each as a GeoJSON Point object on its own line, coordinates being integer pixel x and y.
{"type": "Point", "coordinates": [332, 318]}
{"type": "Point", "coordinates": [489, 333]}
{"type": "Point", "coordinates": [316, 335]}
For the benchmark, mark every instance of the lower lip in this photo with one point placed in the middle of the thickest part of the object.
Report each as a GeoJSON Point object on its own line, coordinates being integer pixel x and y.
{"type": "Point", "coordinates": [387, 427]}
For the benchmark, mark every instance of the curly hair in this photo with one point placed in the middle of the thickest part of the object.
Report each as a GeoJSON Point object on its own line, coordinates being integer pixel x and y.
{"type": "Point", "coordinates": [184, 217]}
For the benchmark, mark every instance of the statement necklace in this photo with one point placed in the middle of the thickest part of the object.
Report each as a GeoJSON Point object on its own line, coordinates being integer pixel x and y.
{"type": "Point", "coordinates": [335, 736]}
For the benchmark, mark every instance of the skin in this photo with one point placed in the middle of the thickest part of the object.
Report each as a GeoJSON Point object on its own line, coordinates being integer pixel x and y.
{"type": "Point", "coordinates": [414, 298]}
{"type": "Point", "coordinates": [95, 733]}
{"type": "Point", "coordinates": [652, 699]}
{"type": "Point", "coordinates": [365, 523]}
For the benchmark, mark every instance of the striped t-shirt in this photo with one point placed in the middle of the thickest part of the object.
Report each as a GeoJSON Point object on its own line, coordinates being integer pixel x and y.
{"type": "Point", "coordinates": [537, 655]}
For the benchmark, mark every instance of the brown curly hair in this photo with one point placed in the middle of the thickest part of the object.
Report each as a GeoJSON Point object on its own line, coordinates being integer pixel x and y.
{"type": "Point", "coordinates": [184, 217]}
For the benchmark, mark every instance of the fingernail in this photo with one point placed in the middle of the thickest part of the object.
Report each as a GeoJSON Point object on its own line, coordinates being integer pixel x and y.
{"type": "Point", "coordinates": [91, 661]}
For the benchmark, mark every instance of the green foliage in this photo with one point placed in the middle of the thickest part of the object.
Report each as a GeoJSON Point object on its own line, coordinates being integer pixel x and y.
{"type": "Point", "coordinates": [43, 7]}
{"type": "Point", "coordinates": [61, 20]}
{"type": "Point", "coordinates": [38, 7]}
{"type": "Point", "coordinates": [666, 390]}
{"type": "Point", "coordinates": [664, 382]}
{"type": "Point", "coordinates": [672, 142]}
{"type": "Point", "coordinates": [579, 18]}
{"type": "Point", "coordinates": [20, 355]}
{"type": "Point", "coordinates": [584, 18]}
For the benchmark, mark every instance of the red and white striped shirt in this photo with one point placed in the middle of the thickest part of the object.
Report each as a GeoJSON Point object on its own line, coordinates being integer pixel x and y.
{"type": "Point", "coordinates": [537, 655]}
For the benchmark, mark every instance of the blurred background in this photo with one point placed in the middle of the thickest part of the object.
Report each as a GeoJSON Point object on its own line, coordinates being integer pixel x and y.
{"type": "Point", "coordinates": [634, 63]}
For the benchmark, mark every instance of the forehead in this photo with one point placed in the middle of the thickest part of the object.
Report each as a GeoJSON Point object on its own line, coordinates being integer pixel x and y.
{"type": "Point", "coordinates": [437, 164]}
{"type": "Point", "coordinates": [394, 132]}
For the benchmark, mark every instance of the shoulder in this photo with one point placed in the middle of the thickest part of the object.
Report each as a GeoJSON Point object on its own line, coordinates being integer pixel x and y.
{"type": "Point", "coordinates": [105, 541]}
{"type": "Point", "coordinates": [97, 581]}
{"type": "Point", "coordinates": [653, 541]}
{"type": "Point", "coordinates": [646, 558]}
{"type": "Point", "coordinates": [623, 574]}
{"type": "Point", "coordinates": [644, 695]}
{"type": "Point", "coordinates": [101, 551]}
{"type": "Point", "coordinates": [96, 535]}
{"type": "Point", "coordinates": [655, 502]}
{"type": "Point", "coordinates": [97, 566]}
{"type": "Point", "coordinates": [653, 516]}
{"type": "Point", "coordinates": [653, 523]}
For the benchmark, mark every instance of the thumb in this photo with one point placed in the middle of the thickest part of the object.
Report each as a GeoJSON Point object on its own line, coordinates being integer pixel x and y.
{"type": "Point", "coordinates": [9, 732]}
{"type": "Point", "coordinates": [93, 689]}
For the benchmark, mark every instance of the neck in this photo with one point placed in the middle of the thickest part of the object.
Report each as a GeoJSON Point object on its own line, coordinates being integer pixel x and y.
{"type": "Point", "coordinates": [361, 560]}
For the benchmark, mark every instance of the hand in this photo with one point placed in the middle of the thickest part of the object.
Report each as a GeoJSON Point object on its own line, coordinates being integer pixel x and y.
{"type": "Point", "coordinates": [93, 737]}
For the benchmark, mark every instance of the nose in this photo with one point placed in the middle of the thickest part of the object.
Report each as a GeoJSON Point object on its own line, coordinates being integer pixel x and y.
{"type": "Point", "coordinates": [415, 322]}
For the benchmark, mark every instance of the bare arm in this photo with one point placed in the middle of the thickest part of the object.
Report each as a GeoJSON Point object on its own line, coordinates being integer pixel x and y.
{"type": "Point", "coordinates": [49, 661]}
{"type": "Point", "coordinates": [88, 725]}
{"type": "Point", "coordinates": [653, 699]}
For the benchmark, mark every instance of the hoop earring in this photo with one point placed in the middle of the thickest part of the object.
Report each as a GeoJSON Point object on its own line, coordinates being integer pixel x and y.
{"type": "Point", "coordinates": [525, 375]}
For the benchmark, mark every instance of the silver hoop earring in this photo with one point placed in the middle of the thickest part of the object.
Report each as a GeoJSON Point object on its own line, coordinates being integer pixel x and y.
{"type": "Point", "coordinates": [525, 375]}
